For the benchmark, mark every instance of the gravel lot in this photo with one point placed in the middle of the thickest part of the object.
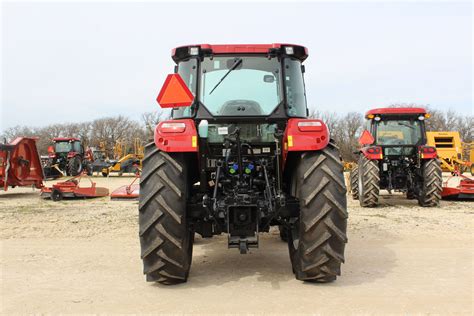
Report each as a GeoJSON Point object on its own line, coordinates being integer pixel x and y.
{"type": "Point", "coordinates": [83, 257]}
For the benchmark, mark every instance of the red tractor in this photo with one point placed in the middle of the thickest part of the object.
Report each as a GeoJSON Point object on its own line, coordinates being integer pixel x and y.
{"type": "Point", "coordinates": [394, 157]}
{"type": "Point", "coordinates": [67, 156]}
{"type": "Point", "coordinates": [239, 156]}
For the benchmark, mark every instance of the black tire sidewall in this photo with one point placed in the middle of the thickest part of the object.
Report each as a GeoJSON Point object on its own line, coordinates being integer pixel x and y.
{"type": "Point", "coordinates": [56, 195]}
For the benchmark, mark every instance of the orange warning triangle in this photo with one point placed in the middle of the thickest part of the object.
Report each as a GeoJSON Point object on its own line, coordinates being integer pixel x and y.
{"type": "Point", "coordinates": [366, 138]}
{"type": "Point", "coordinates": [174, 93]}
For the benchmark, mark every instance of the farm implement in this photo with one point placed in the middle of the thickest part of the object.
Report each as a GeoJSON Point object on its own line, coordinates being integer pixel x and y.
{"type": "Point", "coordinates": [127, 192]}
{"type": "Point", "coordinates": [20, 164]}
{"type": "Point", "coordinates": [71, 189]}
{"type": "Point", "coordinates": [451, 152]}
{"type": "Point", "coordinates": [463, 191]}
{"type": "Point", "coordinates": [125, 162]}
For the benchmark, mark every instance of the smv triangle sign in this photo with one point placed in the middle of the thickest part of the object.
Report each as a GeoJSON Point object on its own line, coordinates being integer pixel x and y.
{"type": "Point", "coordinates": [174, 93]}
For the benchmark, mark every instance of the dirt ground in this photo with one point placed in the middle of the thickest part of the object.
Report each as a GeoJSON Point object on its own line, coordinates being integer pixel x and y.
{"type": "Point", "coordinates": [83, 257]}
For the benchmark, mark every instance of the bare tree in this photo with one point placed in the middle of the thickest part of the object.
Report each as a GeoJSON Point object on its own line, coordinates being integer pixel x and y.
{"type": "Point", "coordinates": [151, 119]}
{"type": "Point", "coordinates": [344, 129]}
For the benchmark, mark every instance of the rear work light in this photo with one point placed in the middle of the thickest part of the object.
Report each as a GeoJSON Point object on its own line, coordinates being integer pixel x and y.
{"type": "Point", "coordinates": [193, 51]}
{"type": "Point", "coordinates": [170, 127]}
{"type": "Point", "coordinates": [289, 50]}
{"type": "Point", "coordinates": [310, 126]}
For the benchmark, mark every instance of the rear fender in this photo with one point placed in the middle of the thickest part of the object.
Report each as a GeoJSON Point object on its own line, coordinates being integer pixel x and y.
{"type": "Point", "coordinates": [305, 135]}
{"type": "Point", "coordinates": [427, 152]}
{"type": "Point", "coordinates": [176, 136]}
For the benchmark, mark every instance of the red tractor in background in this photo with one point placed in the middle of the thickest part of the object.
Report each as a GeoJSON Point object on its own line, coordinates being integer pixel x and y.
{"type": "Point", "coordinates": [394, 157]}
{"type": "Point", "coordinates": [239, 156]}
{"type": "Point", "coordinates": [67, 156]}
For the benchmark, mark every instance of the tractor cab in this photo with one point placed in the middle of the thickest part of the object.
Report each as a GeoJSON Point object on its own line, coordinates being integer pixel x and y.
{"type": "Point", "coordinates": [399, 131]}
{"type": "Point", "coordinates": [67, 145]}
{"type": "Point", "coordinates": [248, 81]}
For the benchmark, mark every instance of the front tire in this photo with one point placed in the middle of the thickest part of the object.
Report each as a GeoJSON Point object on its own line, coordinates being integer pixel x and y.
{"type": "Point", "coordinates": [317, 239]}
{"type": "Point", "coordinates": [432, 182]}
{"type": "Point", "coordinates": [166, 238]}
{"type": "Point", "coordinates": [369, 182]}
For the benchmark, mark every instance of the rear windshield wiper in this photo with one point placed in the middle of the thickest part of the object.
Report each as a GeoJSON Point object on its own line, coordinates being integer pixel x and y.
{"type": "Point", "coordinates": [404, 124]}
{"type": "Point", "coordinates": [237, 62]}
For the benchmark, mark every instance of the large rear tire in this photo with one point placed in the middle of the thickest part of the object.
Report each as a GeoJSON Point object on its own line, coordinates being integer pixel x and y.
{"type": "Point", "coordinates": [317, 239]}
{"type": "Point", "coordinates": [74, 166]}
{"type": "Point", "coordinates": [354, 177]}
{"type": "Point", "coordinates": [432, 182]}
{"type": "Point", "coordinates": [369, 182]}
{"type": "Point", "coordinates": [166, 238]}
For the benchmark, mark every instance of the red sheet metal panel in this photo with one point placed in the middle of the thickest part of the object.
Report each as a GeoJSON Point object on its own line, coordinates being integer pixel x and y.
{"type": "Point", "coordinates": [20, 164]}
{"type": "Point", "coordinates": [126, 192]}
{"type": "Point", "coordinates": [382, 111]}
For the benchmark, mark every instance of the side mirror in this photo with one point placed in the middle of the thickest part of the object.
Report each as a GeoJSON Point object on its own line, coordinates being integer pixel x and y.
{"type": "Point", "coordinates": [174, 93]}
{"type": "Point", "coordinates": [50, 150]}
{"type": "Point", "coordinates": [366, 138]}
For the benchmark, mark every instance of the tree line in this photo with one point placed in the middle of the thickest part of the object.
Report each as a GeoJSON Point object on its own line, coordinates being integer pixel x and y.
{"type": "Point", "coordinates": [106, 131]}
{"type": "Point", "coordinates": [344, 128]}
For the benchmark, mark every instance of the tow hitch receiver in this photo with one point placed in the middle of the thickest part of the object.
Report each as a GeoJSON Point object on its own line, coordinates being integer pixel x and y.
{"type": "Point", "coordinates": [243, 227]}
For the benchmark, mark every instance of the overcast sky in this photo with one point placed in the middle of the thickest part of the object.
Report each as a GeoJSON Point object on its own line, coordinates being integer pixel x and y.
{"type": "Point", "coordinates": [66, 62]}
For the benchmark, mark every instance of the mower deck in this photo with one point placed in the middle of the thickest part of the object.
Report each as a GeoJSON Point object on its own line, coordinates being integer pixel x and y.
{"type": "Point", "coordinates": [71, 189]}
{"type": "Point", "coordinates": [464, 191]}
{"type": "Point", "coordinates": [127, 192]}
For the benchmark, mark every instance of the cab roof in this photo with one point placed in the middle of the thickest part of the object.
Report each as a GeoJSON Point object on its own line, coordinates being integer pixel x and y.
{"type": "Point", "coordinates": [396, 111]}
{"type": "Point", "coordinates": [65, 139]}
{"type": "Point", "coordinates": [183, 52]}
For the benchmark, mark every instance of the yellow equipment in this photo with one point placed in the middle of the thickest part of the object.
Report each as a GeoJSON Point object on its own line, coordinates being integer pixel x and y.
{"type": "Point", "coordinates": [348, 165]}
{"type": "Point", "coordinates": [126, 163]}
{"type": "Point", "coordinates": [384, 135]}
{"type": "Point", "coordinates": [469, 147]}
{"type": "Point", "coordinates": [450, 151]}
